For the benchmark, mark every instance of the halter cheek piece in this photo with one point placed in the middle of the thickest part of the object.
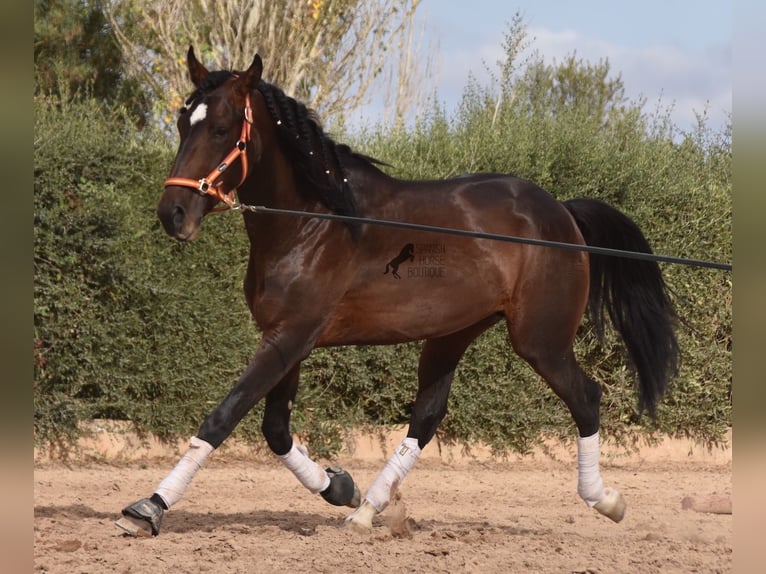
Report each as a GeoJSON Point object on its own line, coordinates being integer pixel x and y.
{"type": "Point", "coordinates": [207, 185]}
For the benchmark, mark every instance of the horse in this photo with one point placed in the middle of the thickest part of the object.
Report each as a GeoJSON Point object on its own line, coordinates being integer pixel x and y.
{"type": "Point", "coordinates": [313, 283]}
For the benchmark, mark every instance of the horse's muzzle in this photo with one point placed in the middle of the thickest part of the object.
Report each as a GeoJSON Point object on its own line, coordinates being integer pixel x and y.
{"type": "Point", "coordinates": [181, 220]}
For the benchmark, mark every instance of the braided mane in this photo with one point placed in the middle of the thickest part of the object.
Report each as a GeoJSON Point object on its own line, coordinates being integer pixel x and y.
{"type": "Point", "coordinates": [319, 163]}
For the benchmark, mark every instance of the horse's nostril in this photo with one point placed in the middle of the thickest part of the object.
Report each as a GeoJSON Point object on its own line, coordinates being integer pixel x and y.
{"type": "Point", "coordinates": [179, 215]}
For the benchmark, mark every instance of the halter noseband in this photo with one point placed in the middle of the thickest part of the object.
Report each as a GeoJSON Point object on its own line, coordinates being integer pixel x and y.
{"type": "Point", "coordinates": [206, 185]}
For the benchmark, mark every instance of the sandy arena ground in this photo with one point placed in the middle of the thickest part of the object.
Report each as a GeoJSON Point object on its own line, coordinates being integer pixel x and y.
{"type": "Point", "coordinates": [246, 514]}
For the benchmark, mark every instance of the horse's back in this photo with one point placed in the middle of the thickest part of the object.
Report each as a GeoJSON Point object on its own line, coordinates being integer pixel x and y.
{"type": "Point", "coordinates": [449, 282]}
{"type": "Point", "coordinates": [489, 200]}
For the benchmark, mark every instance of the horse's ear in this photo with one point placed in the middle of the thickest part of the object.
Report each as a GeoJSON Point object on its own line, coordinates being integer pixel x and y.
{"type": "Point", "coordinates": [253, 74]}
{"type": "Point", "coordinates": [197, 72]}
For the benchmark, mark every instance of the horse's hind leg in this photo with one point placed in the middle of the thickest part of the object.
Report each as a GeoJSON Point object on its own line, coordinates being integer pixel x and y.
{"type": "Point", "coordinates": [544, 340]}
{"type": "Point", "coordinates": [436, 369]}
{"type": "Point", "coordinates": [334, 484]}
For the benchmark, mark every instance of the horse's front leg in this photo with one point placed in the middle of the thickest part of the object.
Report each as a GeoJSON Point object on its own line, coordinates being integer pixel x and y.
{"type": "Point", "coordinates": [274, 359]}
{"type": "Point", "coordinates": [334, 484]}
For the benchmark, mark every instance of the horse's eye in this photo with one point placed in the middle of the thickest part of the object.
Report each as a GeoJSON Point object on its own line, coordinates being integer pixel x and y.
{"type": "Point", "coordinates": [220, 132]}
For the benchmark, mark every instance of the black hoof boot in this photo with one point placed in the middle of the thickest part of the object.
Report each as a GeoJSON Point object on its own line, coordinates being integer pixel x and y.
{"type": "Point", "coordinates": [142, 518]}
{"type": "Point", "coordinates": [342, 490]}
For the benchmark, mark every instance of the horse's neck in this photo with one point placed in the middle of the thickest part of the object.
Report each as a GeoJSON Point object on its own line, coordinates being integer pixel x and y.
{"type": "Point", "coordinates": [272, 184]}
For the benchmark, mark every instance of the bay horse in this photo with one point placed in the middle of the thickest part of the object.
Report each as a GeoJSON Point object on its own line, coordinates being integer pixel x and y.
{"type": "Point", "coordinates": [239, 132]}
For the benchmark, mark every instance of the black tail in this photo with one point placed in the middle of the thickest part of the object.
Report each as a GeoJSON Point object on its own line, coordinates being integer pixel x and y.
{"type": "Point", "coordinates": [634, 295]}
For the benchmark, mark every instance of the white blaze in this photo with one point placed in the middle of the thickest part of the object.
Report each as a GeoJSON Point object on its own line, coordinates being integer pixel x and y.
{"type": "Point", "coordinates": [198, 114]}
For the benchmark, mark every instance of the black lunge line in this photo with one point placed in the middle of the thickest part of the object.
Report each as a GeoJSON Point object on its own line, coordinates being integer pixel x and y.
{"type": "Point", "coordinates": [493, 236]}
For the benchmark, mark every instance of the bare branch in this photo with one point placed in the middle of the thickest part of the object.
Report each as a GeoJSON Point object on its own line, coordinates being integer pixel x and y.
{"type": "Point", "coordinates": [328, 53]}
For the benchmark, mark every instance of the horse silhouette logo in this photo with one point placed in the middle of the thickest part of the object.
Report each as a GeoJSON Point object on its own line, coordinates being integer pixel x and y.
{"type": "Point", "coordinates": [407, 252]}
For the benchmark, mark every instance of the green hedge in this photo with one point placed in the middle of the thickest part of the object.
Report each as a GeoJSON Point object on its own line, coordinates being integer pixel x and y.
{"type": "Point", "coordinates": [131, 325]}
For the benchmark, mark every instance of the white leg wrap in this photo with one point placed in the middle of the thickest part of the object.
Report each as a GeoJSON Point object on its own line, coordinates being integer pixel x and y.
{"type": "Point", "coordinates": [309, 473]}
{"type": "Point", "coordinates": [173, 487]}
{"type": "Point", "coordinates": [590, 487]}
{"type": "Point", "coordinates": [401, 462]}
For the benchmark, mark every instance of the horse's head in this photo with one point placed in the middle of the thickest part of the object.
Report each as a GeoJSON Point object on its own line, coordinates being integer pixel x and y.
{"type": "Point", "coordinates": [216, 149]}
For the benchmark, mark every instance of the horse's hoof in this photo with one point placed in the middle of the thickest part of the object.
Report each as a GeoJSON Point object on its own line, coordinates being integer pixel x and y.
{"type": "Point", "coordinates": [134, 526]}
{"type": "Point", "coordinates": [613, 505]}
{"type": "Point", "coordinates": [142, 518]}
{"type": "Point", "coordinates": [361, 519]}
{"type": "Point", "coordinates": [342, 490]}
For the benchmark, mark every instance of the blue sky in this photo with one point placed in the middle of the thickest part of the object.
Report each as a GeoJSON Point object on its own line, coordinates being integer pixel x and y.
{"type": "Point", "coordinates": [677, 52]}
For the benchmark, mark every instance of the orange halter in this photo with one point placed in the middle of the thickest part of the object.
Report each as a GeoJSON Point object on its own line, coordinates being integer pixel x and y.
{"type": "Point", "coordinates": [206, 185]}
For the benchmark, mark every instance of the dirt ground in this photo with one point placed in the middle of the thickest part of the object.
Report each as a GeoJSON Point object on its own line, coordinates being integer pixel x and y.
{"type": "Point", "coordinates": [456, 514]}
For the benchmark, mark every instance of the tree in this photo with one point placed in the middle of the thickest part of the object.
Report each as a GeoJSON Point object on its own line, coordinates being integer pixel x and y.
{"type": "Point", "coordinates": [75, 53]}
{"type": "Point", "coordinates": [527, 84]}
{"type": "Point", "coordinates": [327, 53]}
{"type": "Point", "coordinates": [574, 84]}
